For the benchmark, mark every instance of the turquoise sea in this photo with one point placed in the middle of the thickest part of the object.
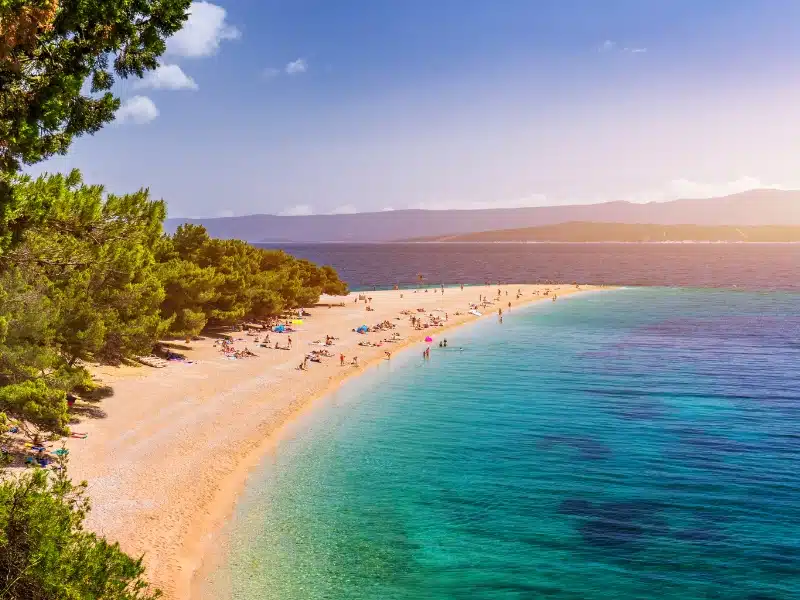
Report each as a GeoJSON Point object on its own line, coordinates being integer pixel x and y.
{"type": "Point", "coordinates": [638, 443]}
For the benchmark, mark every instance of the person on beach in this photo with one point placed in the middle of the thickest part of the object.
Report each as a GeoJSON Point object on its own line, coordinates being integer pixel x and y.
{"type": "Point", "coordinates": [290, 342]}
{"type": "Point", "coordinates": [388, 355]}
{"type": "Point", "coordinates": [355, 361]}
{"type": "Point", "coordinates": [341, 360]}
{"type": "Point", "coordinates": [462, 287]}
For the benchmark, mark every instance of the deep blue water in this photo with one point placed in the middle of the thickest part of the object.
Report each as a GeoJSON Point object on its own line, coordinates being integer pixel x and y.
{"type": "Point", "coordinates": [629, 444]}
{"type": "Point", "coordinates": [744, 266]}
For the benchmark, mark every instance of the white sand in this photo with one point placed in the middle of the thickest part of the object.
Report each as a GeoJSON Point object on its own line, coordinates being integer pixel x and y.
{"type": "Point", "coordinates": [167, 463]}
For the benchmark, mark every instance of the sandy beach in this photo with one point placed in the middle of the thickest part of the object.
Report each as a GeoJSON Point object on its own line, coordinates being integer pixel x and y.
{"type": "Point", "coordinates": [168, 453]}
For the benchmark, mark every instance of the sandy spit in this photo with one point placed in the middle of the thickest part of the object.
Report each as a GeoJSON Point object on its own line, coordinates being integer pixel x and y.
{"type": "Point", "coordinates": [168, 454]}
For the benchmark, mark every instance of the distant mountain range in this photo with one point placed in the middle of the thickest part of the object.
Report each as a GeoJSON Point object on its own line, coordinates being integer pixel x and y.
{"type": "Point", "coordinates": [628, 232]}
{"type": "Point", "coordinates": [751, 208]}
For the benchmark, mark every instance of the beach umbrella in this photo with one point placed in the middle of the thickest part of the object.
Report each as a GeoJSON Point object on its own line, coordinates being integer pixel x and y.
{"type": "Point", "coordinates": [428, 339]}
{"type": "Point", "coordinates": [297, 321]}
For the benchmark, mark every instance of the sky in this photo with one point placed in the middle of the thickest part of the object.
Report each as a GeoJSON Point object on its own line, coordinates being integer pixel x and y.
{"type": "Point", "coordinates": [314, 106]}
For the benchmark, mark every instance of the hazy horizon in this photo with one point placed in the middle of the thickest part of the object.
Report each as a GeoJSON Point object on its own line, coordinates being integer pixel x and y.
{"type": "Point", "coordinates": [306, 108]}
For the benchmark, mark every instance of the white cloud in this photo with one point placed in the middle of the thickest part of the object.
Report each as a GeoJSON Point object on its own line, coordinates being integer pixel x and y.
{"type": "Point", "coordinates": [166, 77]}
{"type": "Point", "coordinates": [300, 210]}
{"type": "Point", "coordinates": [137, 109]}
{"type": "Point", "coordinates": [270, 73]}
{"type": "Point", "coordinates": [683, 188]}
{"type": "Point", "coordinates": [297, 66]}
{"type": "Point", "coordinates": [347, 209]}
{"type": "Point", "coordinates": [611, 46]}
{"type": "Point", "coordinates": [606, 46]}
{"type": "Point", "coordinates": [202, 32]}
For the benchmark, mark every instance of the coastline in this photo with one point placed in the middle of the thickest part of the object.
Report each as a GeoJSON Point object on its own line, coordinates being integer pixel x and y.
{"type": "Point", "coordinates": [166, 476]}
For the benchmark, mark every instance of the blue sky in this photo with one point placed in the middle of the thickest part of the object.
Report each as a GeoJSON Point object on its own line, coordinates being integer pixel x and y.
{"type": "Point", "coordinates": [301, 106]}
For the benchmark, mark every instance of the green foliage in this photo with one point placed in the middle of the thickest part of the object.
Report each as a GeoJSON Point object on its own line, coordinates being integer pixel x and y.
{"type": "Point", "coordinates": [36, 404]}
{"type": "Point", "coordinates": [46, 554]}
{"type": "Point", "coordinates": [188, 289]}
{"type": "Point", "coordinates": [87, 260]}
{"type": "Point", "coordinates": [249, 283]}
{"type": "Point", "coordinates": [50, 48]}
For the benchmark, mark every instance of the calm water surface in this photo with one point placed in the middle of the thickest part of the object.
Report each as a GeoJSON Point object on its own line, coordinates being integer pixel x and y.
{"type": "Point", "coordinates": [748, 266]}
{"type": "Point", "coordinates": [628, 444]}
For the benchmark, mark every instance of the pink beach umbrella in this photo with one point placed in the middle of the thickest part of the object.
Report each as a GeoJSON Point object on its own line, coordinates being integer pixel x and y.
{"type": "Point", "coordinates": [429, 339]}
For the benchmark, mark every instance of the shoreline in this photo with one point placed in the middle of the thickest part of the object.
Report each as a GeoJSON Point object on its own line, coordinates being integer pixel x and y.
{"type": "Point", "coordinates": [206, 559]}
{"type": "Point", "coordinates": [172, 508]}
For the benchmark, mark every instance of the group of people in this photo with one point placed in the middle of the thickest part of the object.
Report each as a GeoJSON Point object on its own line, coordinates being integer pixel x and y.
{"type": "Point", "coordinates": [433, 321]}
{"type": "Point", "coordinates": [314, 356]}
{"type": "Point", "coordinates": [229, 350]}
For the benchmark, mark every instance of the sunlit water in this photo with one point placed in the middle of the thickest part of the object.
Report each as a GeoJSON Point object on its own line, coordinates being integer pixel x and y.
{"type": "Point", "coordinates": [626, 444]}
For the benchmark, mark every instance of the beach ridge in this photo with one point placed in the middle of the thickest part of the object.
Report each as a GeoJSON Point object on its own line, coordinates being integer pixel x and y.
{"type": "Point", "coordinates": [167, 465]}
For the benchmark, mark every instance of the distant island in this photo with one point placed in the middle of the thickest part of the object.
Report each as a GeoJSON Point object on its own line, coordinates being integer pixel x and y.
{"type": "Point", "coordinates": [582, 231]}
{"type": "Point", "coordinates": [752, 208]}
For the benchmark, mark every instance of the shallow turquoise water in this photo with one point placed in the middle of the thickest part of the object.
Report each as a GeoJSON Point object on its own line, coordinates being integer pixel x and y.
{"type": "Point", "coordinates": [630, 444]}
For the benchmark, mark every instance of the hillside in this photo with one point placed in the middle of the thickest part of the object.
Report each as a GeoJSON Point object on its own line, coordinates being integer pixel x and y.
{"type": "Point", "coordinates": [752, 208]}
{"type": "Point", "coordinates": [625, 232]}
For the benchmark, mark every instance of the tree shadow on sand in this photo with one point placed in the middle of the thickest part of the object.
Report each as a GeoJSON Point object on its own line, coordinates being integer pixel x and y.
{"type": "Point", "coordinates": [97, 394]}
{"type": "Point", "coordinates": [85, 411]}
